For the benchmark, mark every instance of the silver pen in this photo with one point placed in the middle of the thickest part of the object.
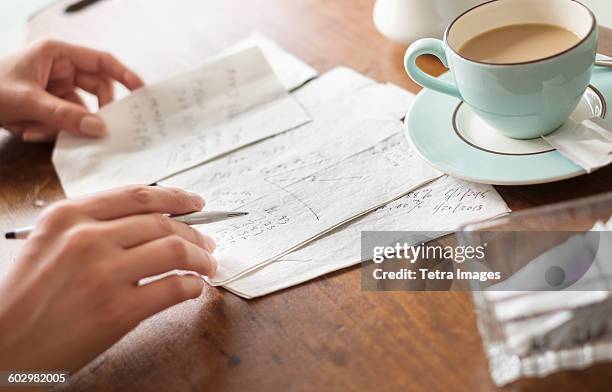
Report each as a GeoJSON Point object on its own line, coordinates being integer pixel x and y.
{"type": "Point", "coordinates": [195, 218]}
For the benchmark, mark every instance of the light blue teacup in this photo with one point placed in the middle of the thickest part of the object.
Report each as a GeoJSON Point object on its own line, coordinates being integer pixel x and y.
{"type": "Point", "coordinates": [522, 100]}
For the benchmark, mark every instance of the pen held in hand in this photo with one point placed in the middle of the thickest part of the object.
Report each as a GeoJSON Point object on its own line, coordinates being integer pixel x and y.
{"type": "Point", "coordinates": [195, 218]}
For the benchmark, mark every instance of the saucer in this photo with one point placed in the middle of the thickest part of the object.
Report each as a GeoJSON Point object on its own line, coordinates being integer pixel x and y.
{"type": "Point", "coordinates": [452, 138]}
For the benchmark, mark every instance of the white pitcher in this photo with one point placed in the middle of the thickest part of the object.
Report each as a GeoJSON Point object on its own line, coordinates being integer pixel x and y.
{"type": "Point", "coordinates": [406, 21]}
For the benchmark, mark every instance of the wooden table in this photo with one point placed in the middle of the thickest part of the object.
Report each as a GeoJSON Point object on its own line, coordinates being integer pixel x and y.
{"type": "Point", "coordinates": [324, 334]}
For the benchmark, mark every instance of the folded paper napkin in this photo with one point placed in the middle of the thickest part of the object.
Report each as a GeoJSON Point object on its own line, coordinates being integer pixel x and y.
{"type": "Point", "coordinates": [588, 145]}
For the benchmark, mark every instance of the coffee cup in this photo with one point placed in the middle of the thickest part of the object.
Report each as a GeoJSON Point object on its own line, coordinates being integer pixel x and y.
{"type": "Point", "coordinates": [522, 97]}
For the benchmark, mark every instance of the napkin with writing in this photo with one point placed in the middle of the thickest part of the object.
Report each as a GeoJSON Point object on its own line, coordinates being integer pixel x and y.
{"type": "Point", "coordinates": [589, 144]}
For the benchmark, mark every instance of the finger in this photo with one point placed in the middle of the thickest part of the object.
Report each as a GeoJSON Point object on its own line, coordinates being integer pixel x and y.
{"type": "Point", "coordinates": [101, 87]}
{"type": "Point", "coordinates": [96, 62]}
{"type": "Point", "coordinates": [63, 114]}
{"type": "Point", "coordinates": [75, 98]}
{"type": "Point", "coordinates": [60, 88]}
{"type": "Point", "coordinates": [34, 135]}
{"type": "Point", "coordinates": [16, 128]}
{"type": "Point", "coordinates": [61, 77]}
{"type": "Point", "coordinates": [154, 297]}
{"type": "Point", "coordinates": [32, 132]}
{"type": "Point", "coordinates": [139, 229]}
{"type": "Point", "coordinates": [62, 70]}
{"type": "Point", "coordinates": [140, 199]}
{"type": "Point", "coordinates": [164, 255]}
{"type": "Point", "coordinates": [67, 92]}
{"type": "Point", "coordinates": [43, 133]}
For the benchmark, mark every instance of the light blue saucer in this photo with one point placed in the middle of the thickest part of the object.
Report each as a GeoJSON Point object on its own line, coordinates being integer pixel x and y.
{"type": "Point", "coordinates": [449, 136]}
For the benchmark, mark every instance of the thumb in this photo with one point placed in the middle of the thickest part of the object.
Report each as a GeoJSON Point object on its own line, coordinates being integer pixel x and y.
{"type": "Point", "coordinates": [63, 114]}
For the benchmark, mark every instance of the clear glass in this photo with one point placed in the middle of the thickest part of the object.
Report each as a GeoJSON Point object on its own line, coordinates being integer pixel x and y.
{"type": "Point", "coordinates": [505, 365]}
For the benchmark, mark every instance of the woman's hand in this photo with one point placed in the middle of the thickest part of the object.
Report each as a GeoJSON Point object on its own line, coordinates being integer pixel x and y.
{"type": "Point", "coordinates": [38, 89]}
{"type": "Point", "coordinates": [73, 291]}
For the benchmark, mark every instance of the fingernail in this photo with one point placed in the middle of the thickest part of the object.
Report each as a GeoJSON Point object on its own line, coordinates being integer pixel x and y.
{"type": "Point", "coordinates": [197, 285]}
{"type": "Point", "coordinates": [210, 243]}
{"type": "Point", "coordinates": [92, 125]}
{"type": "Point", "coordinates": [214, 265]}
{"type": "Point", "coordinates": [35, 137]}
{"type": "Point", "coordinates": [197, 200]}
{"type": "Point", "coordinates": [132, 80]}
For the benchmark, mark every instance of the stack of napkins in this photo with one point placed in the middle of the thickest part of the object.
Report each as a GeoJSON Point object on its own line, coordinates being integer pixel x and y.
{"type": "Point", "coordinates": [537, 321]}
{"type": "Point", "coordinates": [313, 167]}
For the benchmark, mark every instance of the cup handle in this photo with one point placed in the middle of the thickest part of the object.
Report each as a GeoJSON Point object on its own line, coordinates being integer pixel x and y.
{"type": "Point", "coordinates": [429, 46]}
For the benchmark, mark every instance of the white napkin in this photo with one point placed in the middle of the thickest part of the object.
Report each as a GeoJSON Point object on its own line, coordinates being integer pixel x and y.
{"type": "Point", "coordinates": [556, 319]}
{"type": "Point", "coordinates": [588, 145]}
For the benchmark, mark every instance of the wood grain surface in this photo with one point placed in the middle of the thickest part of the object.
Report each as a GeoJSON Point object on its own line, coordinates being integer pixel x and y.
{"type": "Point", "coordinates": [322, 335]}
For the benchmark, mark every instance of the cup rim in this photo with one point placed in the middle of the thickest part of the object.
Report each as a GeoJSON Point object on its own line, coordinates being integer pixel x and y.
{"type": "Point", "coordinates": [582, 40]}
